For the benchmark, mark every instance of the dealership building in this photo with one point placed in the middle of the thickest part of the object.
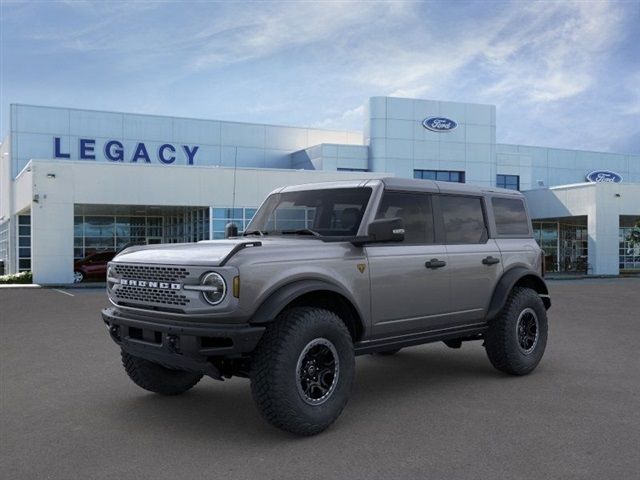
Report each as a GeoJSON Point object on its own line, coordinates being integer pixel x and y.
{"type": "Point", "coordinates": [75, 182]}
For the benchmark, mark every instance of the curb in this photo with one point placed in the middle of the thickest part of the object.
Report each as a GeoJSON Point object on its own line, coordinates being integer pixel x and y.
{"type": "Point", "coordinates": [21, 285]}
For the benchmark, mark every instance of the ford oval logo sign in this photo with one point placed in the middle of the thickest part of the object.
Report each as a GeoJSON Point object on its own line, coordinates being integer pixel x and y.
{"type": "Point", "coordinates": [604, 176]}
{"type": "Point", "coordinates": [439, 124]}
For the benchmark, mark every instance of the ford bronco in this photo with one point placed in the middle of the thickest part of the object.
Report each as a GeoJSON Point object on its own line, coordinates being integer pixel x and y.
{"type": "Point", "coordinates": [326, 272]}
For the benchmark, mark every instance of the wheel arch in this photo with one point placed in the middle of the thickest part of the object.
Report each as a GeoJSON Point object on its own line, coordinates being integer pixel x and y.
{"type": "Point", "coordinates": [517, 277]}
{"type": "Point", "coordinates": [313, 293]}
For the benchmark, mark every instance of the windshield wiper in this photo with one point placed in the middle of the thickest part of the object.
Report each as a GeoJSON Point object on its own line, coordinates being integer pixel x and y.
{"type": "Point", "coordinates": [259, 233]}
{"type": "Point", "coordinates": [301, 231]}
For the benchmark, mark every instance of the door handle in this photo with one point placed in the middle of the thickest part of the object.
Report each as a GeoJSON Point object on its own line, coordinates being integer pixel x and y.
{"type": "Point", "coordinates": [490, 260]}
{"type": "Point", "coordinates": [435, 263]}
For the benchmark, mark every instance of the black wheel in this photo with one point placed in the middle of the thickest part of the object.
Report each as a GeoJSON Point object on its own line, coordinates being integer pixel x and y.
{"type": "Point", "coordinates": [156, 378]}
{"type": "Point", "coordinates": [516, 339]}
{"type": "Point", "coordinates": [388, 353]}
{"type": "Point", "coordinates": [302, 370]}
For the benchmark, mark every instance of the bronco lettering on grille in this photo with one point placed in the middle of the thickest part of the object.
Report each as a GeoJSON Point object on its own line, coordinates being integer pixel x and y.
{"type": "Point", "coordinates": [150, 284]}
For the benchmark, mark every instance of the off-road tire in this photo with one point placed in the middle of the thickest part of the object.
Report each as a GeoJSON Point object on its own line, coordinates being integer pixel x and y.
{"type": "Point", "coordinates": [275, 375]}
{"type": "Point", "coordinates": [388, 353]}
{"type": "Point", "coordinates": [156, 378]}
{"type": "Point", "coordinates": [502, 342]}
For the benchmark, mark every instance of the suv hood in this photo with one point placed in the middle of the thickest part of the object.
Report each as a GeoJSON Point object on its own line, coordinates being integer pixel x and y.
{"type": "Point", "coordinates": [207, 252]}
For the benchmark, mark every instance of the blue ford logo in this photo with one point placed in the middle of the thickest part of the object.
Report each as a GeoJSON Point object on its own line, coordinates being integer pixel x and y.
{"type": "Point", "coordinates": [598, 176]}
{"type": "Point", "coordinates": [439, 124]}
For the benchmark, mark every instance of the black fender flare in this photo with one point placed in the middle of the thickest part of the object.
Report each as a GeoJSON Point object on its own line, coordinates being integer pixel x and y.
{"type": "Point", "coordinates": [284, 295]}
{"type": "Point", "coordinates": [509, 279]}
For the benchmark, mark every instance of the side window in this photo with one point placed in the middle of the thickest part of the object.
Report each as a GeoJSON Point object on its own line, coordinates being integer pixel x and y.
{"type": "Point", "coordinates": [415, 211]}
{"type": "Point", "coordinates": [510, 215]}
{"type": "Point", "coordinates": [463, 219]}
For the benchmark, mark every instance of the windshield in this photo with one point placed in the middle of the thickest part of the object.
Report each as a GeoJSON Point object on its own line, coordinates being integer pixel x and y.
{"type": "Point", "coordinates": [328, 212]}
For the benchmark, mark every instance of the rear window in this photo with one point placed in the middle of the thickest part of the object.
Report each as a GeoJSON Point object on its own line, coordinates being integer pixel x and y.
{"type": "Point", "coordinates": [463, 219]}
{"type": "Point", "coordinates": [511, 216]}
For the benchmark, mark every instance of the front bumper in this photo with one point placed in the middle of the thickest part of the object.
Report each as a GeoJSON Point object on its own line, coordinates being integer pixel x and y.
{"type": "Point", "coordinates": [178, 345]}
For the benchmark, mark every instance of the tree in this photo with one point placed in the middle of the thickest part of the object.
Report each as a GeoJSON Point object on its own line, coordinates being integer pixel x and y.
{"type": "Point", "coordinates": [633, 236]}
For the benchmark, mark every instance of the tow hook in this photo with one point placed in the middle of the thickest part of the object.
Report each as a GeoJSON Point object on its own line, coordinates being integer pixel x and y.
{"type": "Point", "coordinates": [173, 343]}
{"type": "Point", "coordinates": [114, 331]}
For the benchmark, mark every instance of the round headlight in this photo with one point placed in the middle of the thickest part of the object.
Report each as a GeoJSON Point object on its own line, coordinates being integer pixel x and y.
{"type": "Point", "coordinates": [110, 279]}
{"type": "Point", "coordinates": [215, 288]}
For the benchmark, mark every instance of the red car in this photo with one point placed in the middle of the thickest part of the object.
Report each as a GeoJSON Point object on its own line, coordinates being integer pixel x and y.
{"type": "Point", "coordinates": [93, 266]}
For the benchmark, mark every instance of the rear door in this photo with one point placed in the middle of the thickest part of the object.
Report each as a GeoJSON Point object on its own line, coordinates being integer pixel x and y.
{"type": "Point", "coordinates": [409, 280]}
{"type": "Point", "coordinates": [475, 264]}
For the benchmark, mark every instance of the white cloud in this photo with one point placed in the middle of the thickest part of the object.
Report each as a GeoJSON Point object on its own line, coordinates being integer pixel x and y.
{"type": "Point", "coordinates": [555, 53]}
{"type": "Point", "coordinates": [348, 117]}
{"type": "Point", "coordinates": [531, 59]}
{"type": "Point", "coordinates": [259, 32]}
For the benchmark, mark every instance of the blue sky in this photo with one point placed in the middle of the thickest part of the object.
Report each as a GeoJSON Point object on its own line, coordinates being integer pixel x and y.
{"type": "Point", "coordinates": [561, 74]}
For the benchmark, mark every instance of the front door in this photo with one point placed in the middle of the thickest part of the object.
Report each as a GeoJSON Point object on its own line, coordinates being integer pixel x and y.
{"type": "Point", "coordinates": [410, 279]}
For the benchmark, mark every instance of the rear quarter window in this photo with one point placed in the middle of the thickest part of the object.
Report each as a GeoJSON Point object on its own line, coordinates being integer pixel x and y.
{"type": "Point", "coordinates": [511, 216]}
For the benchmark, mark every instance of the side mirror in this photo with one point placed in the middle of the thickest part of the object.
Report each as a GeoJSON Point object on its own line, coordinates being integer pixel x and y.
{"type": "Point", "coordinates": [230, 230]}
{"type": "Point", "coordinates": [386, 230]}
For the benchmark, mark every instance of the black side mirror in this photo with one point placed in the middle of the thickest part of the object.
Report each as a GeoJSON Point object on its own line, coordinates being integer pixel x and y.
{"type": "Point", "coordinates": [230, 230]}
{"type": "Point", "coordinates": [386, 230]}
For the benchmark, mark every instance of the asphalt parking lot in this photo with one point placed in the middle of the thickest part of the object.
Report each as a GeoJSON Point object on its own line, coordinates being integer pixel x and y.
{"type": "Point", "coordinates": [69, 411]}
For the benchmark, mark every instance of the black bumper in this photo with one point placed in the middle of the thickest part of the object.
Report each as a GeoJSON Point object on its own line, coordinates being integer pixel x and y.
{"type": "Point", "coordinates": [180, 346]}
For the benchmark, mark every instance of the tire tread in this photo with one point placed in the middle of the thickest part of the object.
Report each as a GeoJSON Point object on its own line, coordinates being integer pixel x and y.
{"type": "Point", "coordinates": [268, 392]}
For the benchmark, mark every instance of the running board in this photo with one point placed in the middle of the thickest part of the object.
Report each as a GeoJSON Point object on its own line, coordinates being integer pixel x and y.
{"type": "Point", "coordinates": [380, 345]}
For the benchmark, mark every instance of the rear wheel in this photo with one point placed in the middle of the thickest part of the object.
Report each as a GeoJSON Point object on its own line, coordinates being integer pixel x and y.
{"type": "Point", "coordinates": [302, 370]}
{"type": "Point", "coordinates": [78, 276]}
{"type": "Point", "coordinates": [516, 339]}
{"type": "Point", "coordinates": [156, 378]}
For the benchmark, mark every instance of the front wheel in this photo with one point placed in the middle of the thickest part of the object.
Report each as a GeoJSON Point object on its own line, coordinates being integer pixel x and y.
{"type": "Point", "coordinates": [517, 337]}
{"type": "Point", "coordinates": [78, 276]}
{"type": "Point", "coordinates": [156, 378]}
{"type": "Point", "coordinates": [302, 370]}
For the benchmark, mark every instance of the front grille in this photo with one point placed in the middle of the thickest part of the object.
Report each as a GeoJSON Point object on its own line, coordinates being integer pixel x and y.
{"type": "Point", "coordinates": [155, 297]}
{"type": "Point", "coordinates": [153, 273]}
{"type": "Point", "coordinates": [128, 293]}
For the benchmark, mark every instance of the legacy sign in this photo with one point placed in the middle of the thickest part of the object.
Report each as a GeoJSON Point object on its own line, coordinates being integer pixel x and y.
{"type": "Point", "coordinates": [114, 151]}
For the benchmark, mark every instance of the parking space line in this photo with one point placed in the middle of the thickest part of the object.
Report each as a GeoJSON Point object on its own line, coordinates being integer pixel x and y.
{"type": "Point", "coordinates": [66, 293]}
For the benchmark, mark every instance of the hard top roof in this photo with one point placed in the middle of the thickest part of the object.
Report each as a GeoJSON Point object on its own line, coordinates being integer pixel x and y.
{"type": "Point", "coordinates": [409, 184]}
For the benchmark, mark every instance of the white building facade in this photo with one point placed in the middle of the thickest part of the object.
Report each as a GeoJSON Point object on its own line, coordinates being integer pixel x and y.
{"type": "Point", "coordinates": [75, 182]}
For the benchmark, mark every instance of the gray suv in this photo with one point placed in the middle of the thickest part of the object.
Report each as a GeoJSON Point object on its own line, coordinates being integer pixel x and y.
{"type": "Point", "coordinates": [325, 272]}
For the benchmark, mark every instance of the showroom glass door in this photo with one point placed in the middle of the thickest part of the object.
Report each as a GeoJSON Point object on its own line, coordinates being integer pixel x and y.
{"type": "Point", "coordinates": [573, 249]}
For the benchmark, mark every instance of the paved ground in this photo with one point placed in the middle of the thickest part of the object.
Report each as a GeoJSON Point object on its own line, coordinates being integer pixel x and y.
{"type": "Point", "coordinates": [68, 410]}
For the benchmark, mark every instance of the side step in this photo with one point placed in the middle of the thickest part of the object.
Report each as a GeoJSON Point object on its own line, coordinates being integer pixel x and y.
{"type": "Point", "coordinates": [468, 332]}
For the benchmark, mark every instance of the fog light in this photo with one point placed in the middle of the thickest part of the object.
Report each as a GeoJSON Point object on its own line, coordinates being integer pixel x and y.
{"type": "Point", "coordinates": [216, 288]}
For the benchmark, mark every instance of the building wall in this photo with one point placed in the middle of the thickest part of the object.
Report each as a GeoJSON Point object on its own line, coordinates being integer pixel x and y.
{"type": "Point", "coordinates": [330, 157]}
{"type": "Point", "coordinates": [7, 230]}
{"type": "Point", "coordinates": [548, 167]}
{"type": "Point", "coordinates": [219, 143]}
{"type": "Point", "coordinates": [398, 142]}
